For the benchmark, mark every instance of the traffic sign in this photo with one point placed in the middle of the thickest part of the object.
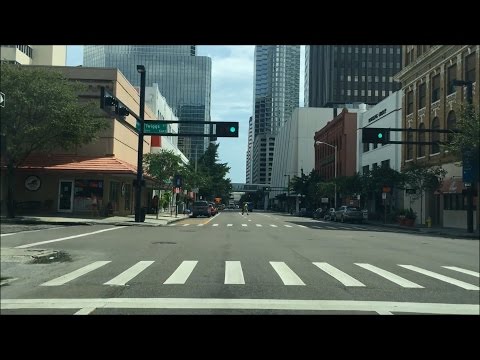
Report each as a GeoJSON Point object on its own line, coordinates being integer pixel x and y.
{"type": "Point", "coordinates": [153, 127]}
{"type": "Point", "coordinates": [384, 195]}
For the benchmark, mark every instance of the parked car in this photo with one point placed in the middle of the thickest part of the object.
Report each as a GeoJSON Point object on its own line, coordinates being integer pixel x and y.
{"type": "Point", "coordinates": [304, 212]}
{"type": "Point", "coordinates": [348, 213]}
{"type": "Point", "coordinates": [329, 214]}
{"type": "Point", "coordinates": [201, 208]}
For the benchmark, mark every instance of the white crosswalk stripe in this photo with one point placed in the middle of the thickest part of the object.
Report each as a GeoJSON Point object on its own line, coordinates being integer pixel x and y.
{"type": "Point", "coordinates": [273, 225]}
{"type": "Point", "coordinates": [286, 274]}
{"type": "Point", "coordinates": [344, 278]}
{"type": "Point", "coordinates": [303, 226]}
{"type": "Point", "coordinates": [289, 226]}
{"type": "Point", "coordinates": [75, 274]}
{"type": "Point", "coordinates": [215, 225]}
{"type": "Point", "coordinates": [172, 224]}
{"type": "Point", "coordinates": [465, 271]}
{"type": "Point", "coordinates": [244, 225]}
{"type": "Point", "coordinates": [259, 225]}
{"type": "Point", "coordinates": [186, 224]}
{"type": "Point", "coordinates": [234, 273]}
{"type": "Point", "coordinates": [447, 279]}
{"type": "Point", "coordinates": [182, 273]}
{"type": "Point", "coordinates": [390, 276]}
{"type": "Point", "coordinates": [228, 225]}
{"type": "Point", "coordinates": [129, 274]}
{"type": "Point", "coordinates": [200, 224]}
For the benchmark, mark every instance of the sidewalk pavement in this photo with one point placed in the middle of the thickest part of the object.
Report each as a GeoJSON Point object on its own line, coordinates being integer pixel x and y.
{"type": "Point", "coordinates": [61, 219]}
{"type": "Point", "coordinates": [443, 231]}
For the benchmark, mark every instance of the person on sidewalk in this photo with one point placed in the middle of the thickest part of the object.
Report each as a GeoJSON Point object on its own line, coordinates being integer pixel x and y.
{"type": "Point", "coordinates": [94, 205]}
{"type": "Point", "coordinates": [155, 204]}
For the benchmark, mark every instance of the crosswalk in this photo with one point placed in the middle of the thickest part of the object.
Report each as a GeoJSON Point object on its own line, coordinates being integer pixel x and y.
{"type": "Point", "coordinates": [279, 271]}
{"type": "Point", "coordinates": [279, 226]}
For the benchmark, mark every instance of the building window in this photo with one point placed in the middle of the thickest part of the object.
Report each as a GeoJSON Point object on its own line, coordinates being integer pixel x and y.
{"type": "Point", "coordinates": [436, 88]}
{"type": "Point", "coordinates": [409, 146]}
{"type": "Point", "coordinates": [410, 102]}
{"type": "Point", "coordinates": [451, 124]}
{"type": "Point", "coordinates": [470, 67]}
{"type": "Point", "coordinates": [422, 93]}
{"type": "Point", "coordinates": [451, 75]}
{"type": "Point", "coordinates": [366, 147]}
{"type": "Point", "coordinates": [421, 137]}
{"type": "Point", "coordinates": [435, 136]}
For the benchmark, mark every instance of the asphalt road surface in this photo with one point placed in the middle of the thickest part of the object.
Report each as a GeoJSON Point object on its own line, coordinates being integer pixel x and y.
{"type": "Point", "coordinates": [261, 263]}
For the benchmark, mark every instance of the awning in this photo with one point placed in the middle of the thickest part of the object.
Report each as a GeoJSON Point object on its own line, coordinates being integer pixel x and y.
{"type": "Point", "coordinates": [451, 186]}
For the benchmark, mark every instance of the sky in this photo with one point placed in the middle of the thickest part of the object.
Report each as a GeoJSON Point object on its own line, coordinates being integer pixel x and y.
{"type": "Point", "coordinates": [231, 96]}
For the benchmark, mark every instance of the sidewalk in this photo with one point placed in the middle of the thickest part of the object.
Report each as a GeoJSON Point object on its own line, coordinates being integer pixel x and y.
{"type": "Point", "coordinates": [443, 231]}
{"type": "Point", "coordinates": [60, 219]}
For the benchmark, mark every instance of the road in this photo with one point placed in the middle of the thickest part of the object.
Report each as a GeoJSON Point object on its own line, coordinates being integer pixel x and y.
{"type": "Point", "coordinates": [261, 263]}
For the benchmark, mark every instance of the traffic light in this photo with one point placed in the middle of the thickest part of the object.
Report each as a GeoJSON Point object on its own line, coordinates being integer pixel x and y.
{"type": "Point", "coordinates": [376, 135]}
{"type": "Point", "coordinates": [227, 129]}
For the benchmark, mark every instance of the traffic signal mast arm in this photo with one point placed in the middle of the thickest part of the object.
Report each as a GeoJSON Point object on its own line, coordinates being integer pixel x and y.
{"type": "Point", "coordinates": [382, 135]}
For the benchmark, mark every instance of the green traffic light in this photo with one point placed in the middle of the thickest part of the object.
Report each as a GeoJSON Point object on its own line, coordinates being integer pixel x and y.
{"type": "Point", "coordinates": [232, 129]}
{"type": "Point", "coordinates": [380, 135]}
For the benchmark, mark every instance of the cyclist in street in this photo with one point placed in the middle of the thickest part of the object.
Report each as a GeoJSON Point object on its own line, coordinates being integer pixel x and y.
{"type": "Point", "coordinates": [245, 208]}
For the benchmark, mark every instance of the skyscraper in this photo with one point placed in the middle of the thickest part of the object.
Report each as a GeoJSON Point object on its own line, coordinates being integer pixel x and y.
{"type": "Point", "coordinates": [182, 77]}
{"type": "Point", "coordinates": [348, 74]}
{"type": "Point", "coordinates": [276, 94]}
{"type": "Point", "coordinates": [248, 179]}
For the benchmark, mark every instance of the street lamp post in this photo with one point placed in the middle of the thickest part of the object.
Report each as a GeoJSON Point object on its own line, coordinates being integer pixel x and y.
{"type": "Point", "coordinates": [335, 147]}
{"type": "Point", "coordinates": [288, 193]}
{"type": "Point", "coordinates": [138, 192]}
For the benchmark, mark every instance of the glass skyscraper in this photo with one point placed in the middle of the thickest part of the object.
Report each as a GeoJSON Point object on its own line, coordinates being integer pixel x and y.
{"type": "Point", "coordinates": [182, 77]}
{"type": "Point", "coordinates": [276, 94]}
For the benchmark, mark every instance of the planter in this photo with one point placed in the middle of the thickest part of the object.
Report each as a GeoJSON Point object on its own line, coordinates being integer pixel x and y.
{"type": "Point", "coordinates": [401, 220]}
{"type": "Point", "coordinates": [409, 222]}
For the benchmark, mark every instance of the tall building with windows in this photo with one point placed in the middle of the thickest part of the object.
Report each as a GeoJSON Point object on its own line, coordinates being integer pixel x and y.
{"type": "Point", "coordinates": [429, 101]}
{"type": "Point", "coordinates": [248, 179]}
{"type": "Point", "coordinates": [182, 77]}
{"type": "Point", "coordinates": [276, 94]}
{"type": "Point", "coordinates": [52, 55]}
{"type": "Point", "coordinates": [336, 75]}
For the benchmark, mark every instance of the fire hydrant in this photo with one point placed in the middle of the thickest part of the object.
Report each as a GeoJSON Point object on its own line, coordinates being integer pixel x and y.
{"type": "Point", "coordinates": [429, 222]}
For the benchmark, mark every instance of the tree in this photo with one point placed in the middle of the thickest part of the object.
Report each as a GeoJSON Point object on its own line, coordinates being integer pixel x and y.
{"type": "Point", "coordinates": [163, 166]}
{"type": "Point", "coordinates": [43, 114]}
{"type": "Point", "coordinates": [421, 179]}
{"type": "Point", "coordinates": [468, 123]}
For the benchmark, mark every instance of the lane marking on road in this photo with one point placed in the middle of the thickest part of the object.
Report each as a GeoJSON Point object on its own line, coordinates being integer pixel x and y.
{"type": "Point", "coordinates": [273, 225]}
{"type": "Point", "coordinates": [30, 231]}
{"type": "Point", "coordinates": [244, 304]}
{"type": "Point", "coordinates": [186, 224]}
{"type": "Point", "coordinates": [129, 274]}
{"type": "Point", "coordinates": [213, 217]}
{"type": "Point", "coordinates": [234, 273]}
{"type": "Point", "coordinates": [390, 276]}
{"type": "Point", "coordinates": [447, 279]}
{"type": "Point", "coordinates": [85, 311]}
{"type": "Point", "coordinates": [244, 225]}
{"type": "Point", "coordinates": [286, 274]}
{"type": "Point", "coordinates": [465, 271]}
{"type": "Point", "coordinates": [344, 278]}
{"type": "Point", "coordinates": [182, 273]}
{"type": "Point", "coordinates": [174, 224]}
{"type": "Point", "coordinates": [200, 224]}
{"type": "Point", "coordinates": [288, 225]}
{"type": "Point", "coordinates": [384, 312]}
{"type": "Point", "coordinates": [302, 226]}
{"type": "Point", "coordinates": [229, 225]}
{"type": "Point", "coordinates": [249, 219]}
{"type": "Point", "coordinates": [75, 274]}
{"type": "Point", "coordinates": [68, 237]}
{"type": "Point", "coordinates": [215, 225]}
{"type": "Point", "coordinates": [259, 225]}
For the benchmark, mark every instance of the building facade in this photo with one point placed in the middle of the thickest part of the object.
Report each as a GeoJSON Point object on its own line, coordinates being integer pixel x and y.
{"type": "Point", "coordinates": [342, 133]}
{"type": "Point", "coordinates": [183, 78]}
{"type": "Point", "coordinates": [276, 94]}
{"type": "Point", "coordinates": [248, 177]}
{"type": "Point", "coordinates": [347, 74]}
{"type": "Point", "coordinates": [430, 102]}
{"type": "Point", "coordinates": [106, 168]}
{"type": "Point", "coordinates": [53, 55]}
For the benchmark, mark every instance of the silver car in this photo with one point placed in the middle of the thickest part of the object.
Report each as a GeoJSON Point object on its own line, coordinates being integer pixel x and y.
{"type": "Point", "coordinates": [348, 213]}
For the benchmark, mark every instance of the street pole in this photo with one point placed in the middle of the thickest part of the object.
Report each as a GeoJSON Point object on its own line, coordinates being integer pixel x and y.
{"type": "Point", "coordinates": [335, 177]}
{"type": "Point", "coordinates": [470, 188]}
{"type": "Point", "coordinates": [138, 189]}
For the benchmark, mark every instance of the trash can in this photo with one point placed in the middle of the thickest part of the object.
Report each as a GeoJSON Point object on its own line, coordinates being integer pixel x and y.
{"type": "Point", "coordinates": [143, 213]}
